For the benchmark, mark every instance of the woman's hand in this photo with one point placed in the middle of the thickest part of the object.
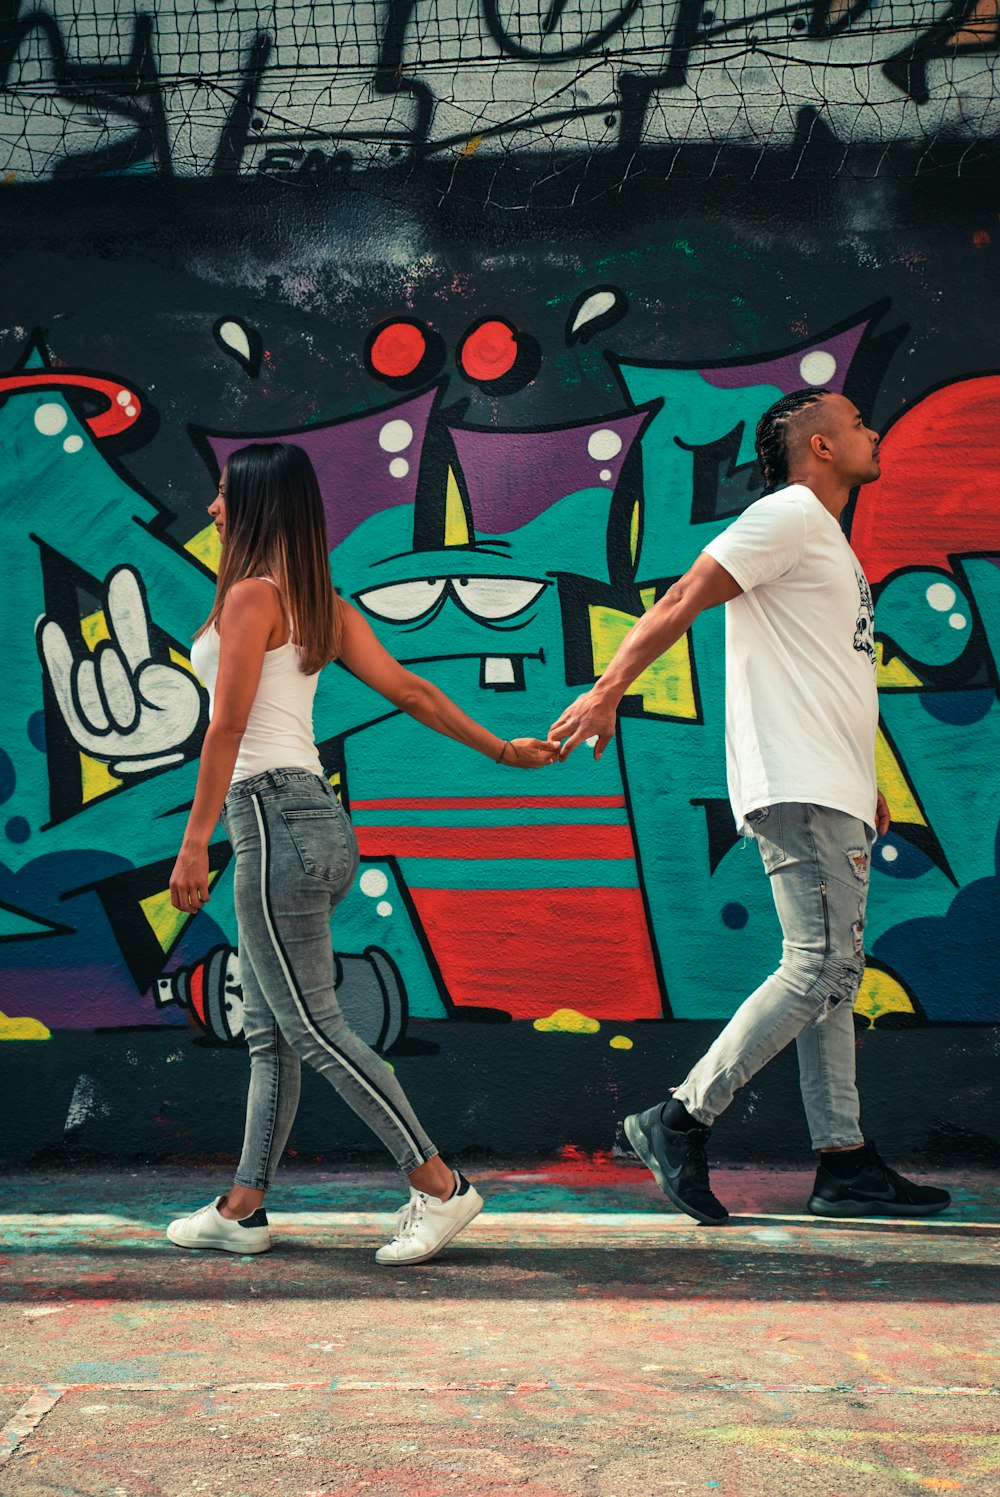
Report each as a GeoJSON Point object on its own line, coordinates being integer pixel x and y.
{"type": "Point", "coordinates": [529, 753]}
{"type": "Point", "coordinates": [189, 880]}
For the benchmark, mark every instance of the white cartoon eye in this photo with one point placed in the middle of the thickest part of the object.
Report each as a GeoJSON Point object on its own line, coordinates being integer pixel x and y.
{"type": "Point", "coordinates": [402, 601]}
{"type": "Point", "coordinates": [496, 597]}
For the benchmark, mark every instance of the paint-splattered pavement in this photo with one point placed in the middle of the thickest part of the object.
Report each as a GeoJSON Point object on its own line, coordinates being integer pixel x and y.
{"type": "Point", "coordinates": [578, 1341]}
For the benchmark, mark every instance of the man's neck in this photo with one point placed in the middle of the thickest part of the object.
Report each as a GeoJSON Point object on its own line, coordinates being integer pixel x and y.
{"type": "Point", "coordinates": [831, 494]}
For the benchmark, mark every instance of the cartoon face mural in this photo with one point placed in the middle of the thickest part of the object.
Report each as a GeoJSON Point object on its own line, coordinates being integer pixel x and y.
{"type": "Point", "coordinates": [504, 564]}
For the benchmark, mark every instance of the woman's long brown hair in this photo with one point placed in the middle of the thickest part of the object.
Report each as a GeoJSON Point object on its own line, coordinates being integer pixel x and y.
{"type": "Point", "coordinates": [275, 527]}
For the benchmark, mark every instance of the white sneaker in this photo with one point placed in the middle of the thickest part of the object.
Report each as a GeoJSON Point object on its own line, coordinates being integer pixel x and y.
{"type": "Point", "coordinates": [208, 1229]}
{"type": "Point", "coordinates": [425, 1225]}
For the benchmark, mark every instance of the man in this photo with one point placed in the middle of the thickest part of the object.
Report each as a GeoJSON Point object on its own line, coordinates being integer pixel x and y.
{"type": "Point", "coordinates": [801, 717]}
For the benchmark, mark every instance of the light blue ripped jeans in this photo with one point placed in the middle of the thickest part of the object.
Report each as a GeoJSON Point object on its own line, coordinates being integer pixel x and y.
{"type": "Point", "coordinates": [296, 858]}
{"type": "Point", "coordinates": [819, 862]}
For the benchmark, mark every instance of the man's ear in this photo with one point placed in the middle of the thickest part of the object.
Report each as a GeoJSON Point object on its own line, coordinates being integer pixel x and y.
{"type": "Point", "coordinates": [821, 447]}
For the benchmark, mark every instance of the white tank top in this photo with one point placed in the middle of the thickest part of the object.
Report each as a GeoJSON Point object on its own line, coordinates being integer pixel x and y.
{"type": "Point", "coordinates": [279, 732]}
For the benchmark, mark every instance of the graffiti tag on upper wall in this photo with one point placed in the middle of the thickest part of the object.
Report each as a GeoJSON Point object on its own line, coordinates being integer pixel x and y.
{"type": "Point", "coordinates": [504, 564]}
{"type": "Point", "coordinates": [90, 88]}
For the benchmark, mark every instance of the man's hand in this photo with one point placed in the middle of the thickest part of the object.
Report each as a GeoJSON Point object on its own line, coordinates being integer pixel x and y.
{"type": "Point", "coordinates": [591, 718]}
{"type": "Point", "coordinates": [882, 816]}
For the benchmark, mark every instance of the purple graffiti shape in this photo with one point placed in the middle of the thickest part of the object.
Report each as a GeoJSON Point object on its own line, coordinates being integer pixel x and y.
{"type": "Point", "coordinates": [824, 363]}
{"type": "Point", "coordinates": [514, 476]}
{"type": "Point", "coordinates": [364, 464]}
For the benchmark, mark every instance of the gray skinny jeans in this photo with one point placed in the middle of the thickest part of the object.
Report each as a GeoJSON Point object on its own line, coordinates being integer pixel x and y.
{"type": "Point", "coordinates": [819, 862]}
{"type": "Point", "coordinates": [296, 858]}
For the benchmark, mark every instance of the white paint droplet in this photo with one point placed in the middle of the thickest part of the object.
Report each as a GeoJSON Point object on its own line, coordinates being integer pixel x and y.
{"type": "Point", "coordinates": [605, 475]}
{"type": "Point", "coordinates": [604, 445]}
{"type": "Point", "coordinates": [399, 467]}
{"type": "Point", "coordinates": [395, 436]}
{"type": "Point", "coordinates": [940, 596]}
{"type": "Point", "coordinates": [595, 306]}
{"type": "Point", "coordinates": [890, 853]}
{"type": "Point", "coordinates": [73, 444]}
{"type": "Point", "coordinates": [373, 883]}
{"type": "Point", "coordinates": [818, 367]}
{"type": "Point", "coordinates": [958, 621]}
{"type": "Point", "coordinates": [234, 336]}
{"type": "Point", "coordinates": [124, 397]}
{"type": "Point", "coordinates": [130, 410]}
{"type": "Point", "coordinates": [383, 907]}
{"type": "Point", "coordinates": [50, 419]}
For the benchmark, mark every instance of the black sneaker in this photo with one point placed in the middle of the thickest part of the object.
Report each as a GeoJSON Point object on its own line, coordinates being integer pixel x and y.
{"type": "Point", "coordinates": [875, 1190]}
{"type": "Point", "coordinates": [679, 1164]}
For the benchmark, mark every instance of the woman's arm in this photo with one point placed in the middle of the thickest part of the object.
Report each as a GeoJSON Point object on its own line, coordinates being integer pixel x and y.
{"type": "Point", "coordinates": [371, 662]}
{"type": "Point", "coordinates": [246, 625]}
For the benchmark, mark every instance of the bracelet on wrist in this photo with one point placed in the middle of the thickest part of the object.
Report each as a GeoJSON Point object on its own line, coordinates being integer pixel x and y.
{"type": "Point", "coordinates": [506, 746]}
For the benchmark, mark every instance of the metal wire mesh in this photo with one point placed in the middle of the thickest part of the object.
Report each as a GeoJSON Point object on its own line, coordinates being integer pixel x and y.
{"type": "Point", "coordinates": [96, 87]}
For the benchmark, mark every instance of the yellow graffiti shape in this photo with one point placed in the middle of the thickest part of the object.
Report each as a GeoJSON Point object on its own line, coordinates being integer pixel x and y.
{"type": "Point", "coordinates": [96, 779]}
{"type": "Point", "coordinates": [206, 547]}
{"type": "Point", "coordinates": [567, 1021]}
{"type": "Point", "coordinates": [166, 922]}
{"type": "Point", "coordinates": [881, 993]}
{"type": "Point", "coordinates": [666, 686]}
{"type": "Point", "coordinates": [894, 785]}
{"type": "Point", "coordinates": [22, 1029]}
{"type": "Point", "coordinates": [893, 675]}
{"type": "Point", "coordinates": [620, 1042]}
{"type": "Point", "coordinates": [456, 526]}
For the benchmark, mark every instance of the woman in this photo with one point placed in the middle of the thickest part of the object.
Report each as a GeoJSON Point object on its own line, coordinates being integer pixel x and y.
{"type": "Point", "coordinates": [275, 624]}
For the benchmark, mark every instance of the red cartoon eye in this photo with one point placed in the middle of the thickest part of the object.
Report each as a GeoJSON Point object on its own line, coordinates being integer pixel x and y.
{"type": "Point", "coordinates": [403, 352]}
{"type": "Point", "coordinates": [496, 356]}
{"type": "Point", "coordinates": [397, 349]}
{"type": "Point", "coordinates": [488, 351]}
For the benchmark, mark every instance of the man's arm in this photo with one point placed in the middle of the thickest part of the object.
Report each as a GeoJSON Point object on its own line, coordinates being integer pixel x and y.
{"type": "Point", "coordinates": [594, 714]}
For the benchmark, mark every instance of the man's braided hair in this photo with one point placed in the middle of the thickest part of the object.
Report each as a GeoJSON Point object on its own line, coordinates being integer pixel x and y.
{"type": "Point", "coordinates": [772, 435]}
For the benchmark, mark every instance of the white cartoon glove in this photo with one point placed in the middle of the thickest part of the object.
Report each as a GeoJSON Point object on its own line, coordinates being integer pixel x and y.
{"type": "Point", "coordinates": [120, 704]}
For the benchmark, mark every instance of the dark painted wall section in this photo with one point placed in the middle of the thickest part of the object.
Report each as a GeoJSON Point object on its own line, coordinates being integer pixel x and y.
{"type": "Point", "coordinates": [527, 423]}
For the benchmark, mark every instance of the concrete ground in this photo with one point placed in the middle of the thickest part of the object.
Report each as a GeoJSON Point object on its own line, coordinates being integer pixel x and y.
{"type": "Point", "coordinates": [578, 1341]}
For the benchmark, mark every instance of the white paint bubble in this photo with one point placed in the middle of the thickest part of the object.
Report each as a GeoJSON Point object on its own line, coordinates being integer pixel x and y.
{"type": "Point", "coordinates": [124, 397]}
{"type": "Point", "coordinates": [889, 853]}
{"type": "Point", "coordinates": [958, 621]}
{"type": "Point", "coordinates": [605, 475]}
{"type": "Point", "coordinates": [73, 443]}
{"type": "Point", "coordinates": [383, 907]}
{"type": "Point", "coordinates": [373, 883]}
{"type": "Point", "coordinates": [399, 467]}
{"type": "Point", "coordinates": [940, 596]}
{"type": "Point", "coordinates": [130, 410]}
{"type": "Point", "coordinates": [395, 436]}
{"type": "Point", "coordinates": [818, 367]}
{"type": "Point", "coordinates": [604, 445]}
{"type": "Point", "coordinates": [50, 419]}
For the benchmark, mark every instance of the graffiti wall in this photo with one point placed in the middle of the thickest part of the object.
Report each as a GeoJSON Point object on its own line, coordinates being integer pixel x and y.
{"type": "Point", "coordinates": [525, 425]}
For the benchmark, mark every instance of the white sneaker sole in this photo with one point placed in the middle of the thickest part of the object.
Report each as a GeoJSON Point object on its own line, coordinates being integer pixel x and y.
{"type": "Point", "coordinates": [217, 1245]}
{"type": "Point", "coordinates": [471, 1212]}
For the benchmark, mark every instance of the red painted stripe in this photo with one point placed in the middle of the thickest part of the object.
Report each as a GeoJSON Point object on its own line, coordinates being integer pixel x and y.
{"type": "Point", "coordinates": [492, 803]}
{"type": "Point", "coordinates": [531, 951]}
{"type": "Point", "coordinates": [476, 842]}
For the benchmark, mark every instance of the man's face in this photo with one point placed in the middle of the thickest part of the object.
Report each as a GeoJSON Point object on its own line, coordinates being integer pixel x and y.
{"type": "Point", "coordinates": [854, 445]}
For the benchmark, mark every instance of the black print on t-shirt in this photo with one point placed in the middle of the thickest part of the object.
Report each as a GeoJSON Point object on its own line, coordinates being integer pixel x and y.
{"type": "Point", "coordinates": [864, 633]}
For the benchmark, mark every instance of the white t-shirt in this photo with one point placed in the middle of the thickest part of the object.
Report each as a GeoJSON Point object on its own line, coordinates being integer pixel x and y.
{"type": "Point", "coordinates": [801, 701]}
